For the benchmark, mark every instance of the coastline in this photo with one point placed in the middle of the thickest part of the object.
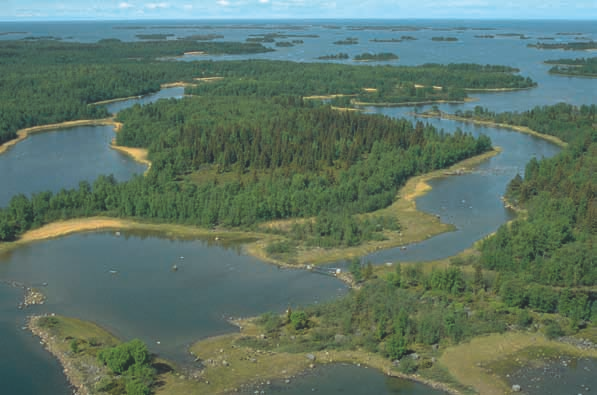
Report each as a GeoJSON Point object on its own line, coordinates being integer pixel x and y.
{"type": "Point", "coordinates": [414, 103]}
{"type": "Point", "coordinates": [25, 133]}
{"type": "Point", "coordinates": [520, 129]}
{"type": "Point", "coordinates": [251, 367]}
{"type": "Point", "coordinates": [178, 84]}
{"type": "Point", "coordinates": [573, 75]}
{"type": "Point", "coordinates": [417, 226]}
{"type": "Point", "coordinates": [80, 374]}
{"type": "Point", "coordinates": [138, 154]}
{"type": "Point", "coordinates": [498, 89]}
{"type": "Point", "coordinates": [474, 363]}
{"type": "Point", "coordinates": [100, 224]}
{"type": "Point", "coordinates": [119, 99]}
{"type": "Point", "coordinates": [273, 365]}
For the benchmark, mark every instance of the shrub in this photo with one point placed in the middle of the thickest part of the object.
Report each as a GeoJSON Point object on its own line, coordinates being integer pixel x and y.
{"type": "Point", "coordinates": [270, 321]}
{"type": "Point", "coordinates": [48, 322]}
{"type": "Point", "coordinates": [408, 365]}
{"type": "Point", "coordinates": [553, 330]}
{"type": "Point", "coordinates": [299, 320]}
{"type": "Point", "coordinates": [525, 319]}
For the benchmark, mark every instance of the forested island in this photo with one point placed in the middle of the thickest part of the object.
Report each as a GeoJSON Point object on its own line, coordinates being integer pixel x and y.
{"type": "Point", "coordinates": [76, 74]}
{"type": "Point", "coordinates": [340, 177]}
{"type": "Point", "coordinates": [339, 56]}
{"type": "Point", "coordinates": [442, 38]}
{"type": "Point", "coordinates": [375, 57]}
{"type": "Point", "coordinates": [570, 46]}
{"type": "Point", "coordinates": [386, 84]}
{"type": "Point", "coordinates": [582, 67]}
{"type": "Point", "coordinates": [387, 40]}
{"type": "Point", "coordinates": [347, 41]}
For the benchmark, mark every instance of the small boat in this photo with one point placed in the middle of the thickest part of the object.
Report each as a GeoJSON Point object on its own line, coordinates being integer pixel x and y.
{"type": "Point", "coordinates": [174, 268]}
{"type": "Point", "coordinates": [113, 271]}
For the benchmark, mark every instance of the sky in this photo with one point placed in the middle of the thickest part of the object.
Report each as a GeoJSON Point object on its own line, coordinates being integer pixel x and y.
{"type": "Point", "coordinates": [15, 10]}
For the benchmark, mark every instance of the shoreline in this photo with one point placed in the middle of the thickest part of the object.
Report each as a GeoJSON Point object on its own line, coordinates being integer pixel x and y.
{"type": "Point", "coordinates": [118, 99]}
{"type": "Point", "coordinates": [48, 342]}
{"type": "Point", "coordinates": [23, 134]}
{"type": "Point", "coordinates": [414, 103]}
{"type": "Point", "coordinates": [474, 363]}
{"type": "Point", "coordinates": [418, 227]}
{"type": "Point", "coordinates": [137, 154]}
{"type": "Point", "coordinates": [178, 84]}
{"type": "Point", "coordinates": [103, 224]}
{"type": "Point", "coordinates": [573, 75]}
{"type": "Point", "coordinates": [516, 128]}
{"type": "Point", "coordinates": [216, 375]}
{"type": "Point", "coordinates": [215, 348]}
{"type": "Point", "coordinates": [498, 89]}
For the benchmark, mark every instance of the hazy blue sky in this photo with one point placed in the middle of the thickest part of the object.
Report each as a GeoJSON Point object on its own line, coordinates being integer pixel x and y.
{"type": "Point", "coordinates": [396, 9]}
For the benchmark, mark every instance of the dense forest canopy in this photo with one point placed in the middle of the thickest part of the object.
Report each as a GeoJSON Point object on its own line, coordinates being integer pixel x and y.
{"type": "Point", "coordinates": [46, 82]}
{"type": "Point", "coordinates": [385, 83]}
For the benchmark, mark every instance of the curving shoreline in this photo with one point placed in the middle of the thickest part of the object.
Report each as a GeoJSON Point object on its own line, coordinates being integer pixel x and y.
{"type": "Point", "coordinates": [415, 187]}
{"type": "Point", "coordinates": [414, 103]}
{"type": "Point", "coordinates": [137, 154]}
{"type": "Point", "coordinates": [25, 133]}
{"type": "Point", "coordinates": [516, 128]}
{"type": "Point", "coordinates": [417, 225]}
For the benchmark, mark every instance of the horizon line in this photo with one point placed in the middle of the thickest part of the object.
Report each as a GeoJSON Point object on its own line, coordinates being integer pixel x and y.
{"type": "Point", "coordinates": [272, 18]}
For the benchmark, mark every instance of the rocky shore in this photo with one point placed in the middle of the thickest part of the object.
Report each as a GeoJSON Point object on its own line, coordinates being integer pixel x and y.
{"type": "Point", "coordinates": [80, 375]}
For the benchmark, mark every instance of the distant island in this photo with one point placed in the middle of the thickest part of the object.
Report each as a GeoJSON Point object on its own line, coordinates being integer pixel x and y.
{"type": "Point", "coordinates": [387, 40]}
{"type": "Point", "coordinates": [155, 36]}
{"type": "Point", "coordinates": [347, 41]}
{"type": "Point", "coordinates": [450, 39]}
{"type": "Point", "coordinates": [284, 44]}
{"type": "Point", "coordinates": [203, 37]}
{"type": "Point", "coordinates": [334, 56]}
{"type": "Point", "coordinates": [378, 57]}
{"type": "Point", "coordinates": [581, 67]}
{"type": "Point", "coordinates": [577, 46]}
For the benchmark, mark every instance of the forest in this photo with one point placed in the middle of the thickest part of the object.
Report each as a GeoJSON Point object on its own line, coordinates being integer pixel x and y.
{"type": "Point", "coordinates": [535, 274]}
{"type": "Point", "coordinates": [586, 67]}
{"type": "Point", "coordinates": [386, 84]}
{"type": "Point", "coordinates": [258, 160]}
{"type": "Point", "coordinates": [47, 82]}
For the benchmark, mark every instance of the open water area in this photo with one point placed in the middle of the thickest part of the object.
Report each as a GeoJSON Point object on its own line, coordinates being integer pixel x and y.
{"type": "Point", "coordinates": [126, 284]}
